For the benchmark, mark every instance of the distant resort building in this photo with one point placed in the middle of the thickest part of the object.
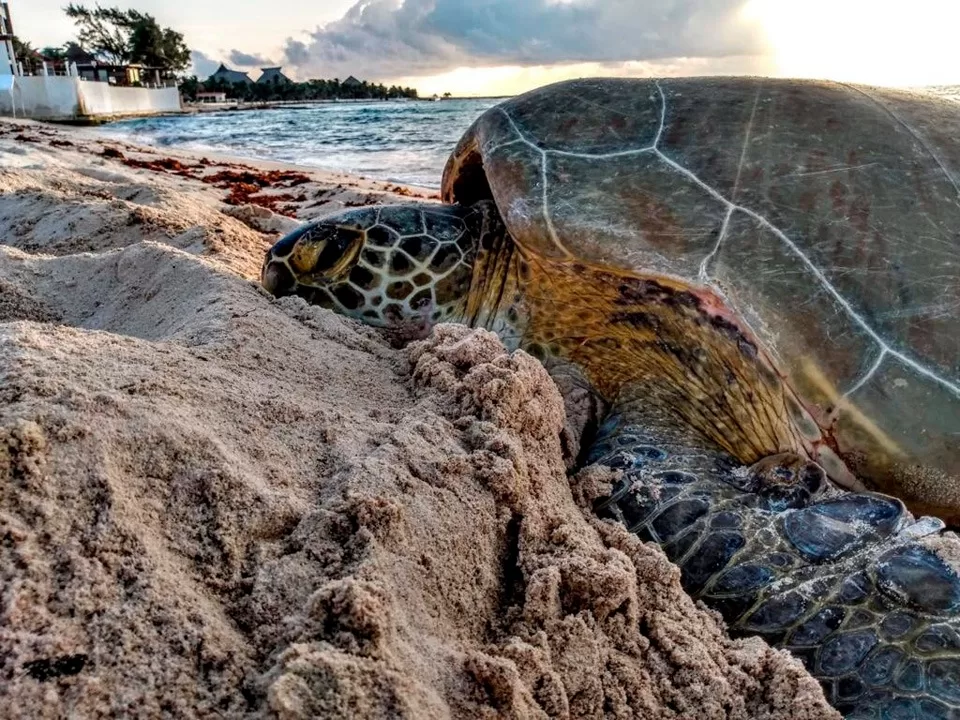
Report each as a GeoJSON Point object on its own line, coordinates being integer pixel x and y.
{"type": "Point", "coordinates": [225, 74]}
{"type": "Point", "coordinates": [85, 62]}
{"type": "Point", "coordinates": [273, 76]}
{"type": "Point", "coordinates": [86, 66]}
{"type": "Point", "coordinates": [211, 97]}
{"type": "Point", "coordinates": [351, 82]}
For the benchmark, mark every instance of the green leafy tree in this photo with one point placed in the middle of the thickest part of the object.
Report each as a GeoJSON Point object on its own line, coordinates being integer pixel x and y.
{"type": "Point", "coordinates": [189, 87]}
{"type": "Point", "coordinates": [54, 53]}
{"type": "Point", "coordinates": [154, 46]}
{"type": "Point", "coordinates": [22, 49]}
{"type": "Point", "coordinates": [105, 32]}
{"type": "Point", "coordinates": [129, 36]}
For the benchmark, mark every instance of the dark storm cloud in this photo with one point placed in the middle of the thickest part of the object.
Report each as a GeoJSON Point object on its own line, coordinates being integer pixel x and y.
{"type": "Point", "coordinates": [397, 37]}
{"type": "Point", "coordinates": [203, 65]}
{"type": "Point", "coordinates": [296, 52]}
{"type": "Point", "coordinates": [238, 57]}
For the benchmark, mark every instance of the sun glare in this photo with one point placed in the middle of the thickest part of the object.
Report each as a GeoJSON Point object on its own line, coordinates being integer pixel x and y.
{"type": "Point", "coordinates": [514, 79]}
{"type": "Point", "coordinates": [878, 42]}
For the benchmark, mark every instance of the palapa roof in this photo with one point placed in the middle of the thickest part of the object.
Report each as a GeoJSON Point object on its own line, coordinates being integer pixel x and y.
{"type": "Point", "coordinates": [274, 76]}
{"type": "Point", "coordinates": [231, 76]}
{"type": "Point", "coordinates": [351, 81]}
{"type": "Point", "coordinates": [78, 55]}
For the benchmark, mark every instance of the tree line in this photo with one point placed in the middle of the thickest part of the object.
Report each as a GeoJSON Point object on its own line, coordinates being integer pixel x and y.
{"type": "Point", "coordinates": [309, 90]}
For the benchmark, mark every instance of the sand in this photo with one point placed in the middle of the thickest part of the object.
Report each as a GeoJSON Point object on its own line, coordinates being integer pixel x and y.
{"type": "Point", "coordinates": [217, 504]}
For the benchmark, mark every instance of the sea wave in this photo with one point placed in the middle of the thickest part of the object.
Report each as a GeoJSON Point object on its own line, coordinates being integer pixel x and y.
{"type": "Point", "coordinates": [404, 142]}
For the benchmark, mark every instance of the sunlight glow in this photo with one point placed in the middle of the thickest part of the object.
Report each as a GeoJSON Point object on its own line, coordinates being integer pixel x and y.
{"type": "Point", "coordinates": [879, 42]}
{"type": "Point", "coordinates": [514, 79]}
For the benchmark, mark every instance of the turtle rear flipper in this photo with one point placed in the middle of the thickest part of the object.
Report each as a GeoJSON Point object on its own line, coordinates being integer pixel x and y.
{"type": "Point", "coordinates": [867, 597]}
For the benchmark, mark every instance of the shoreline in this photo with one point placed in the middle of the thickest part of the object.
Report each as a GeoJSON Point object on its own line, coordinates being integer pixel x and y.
{"type": "Point", "coordinates": [92, 134]}
{"type": "Point", "coordinates": [269, 195]}
{"type": "Point", "coordinates": [322, 174]}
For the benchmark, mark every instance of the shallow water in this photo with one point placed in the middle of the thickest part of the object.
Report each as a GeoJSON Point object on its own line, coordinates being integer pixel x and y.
{"type": "Point", "coordinates": [406, 142]}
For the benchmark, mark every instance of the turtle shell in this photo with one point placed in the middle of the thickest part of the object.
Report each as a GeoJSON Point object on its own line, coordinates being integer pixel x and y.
{"type": "Point", "coordinates": [826, 215]}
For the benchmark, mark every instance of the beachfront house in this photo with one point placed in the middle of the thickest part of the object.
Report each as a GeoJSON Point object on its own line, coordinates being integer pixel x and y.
{"type": "Point", "coordinates": [78, 87]}
{"type": "Point", "coordinates": [230, 77]}
{"type": "Point", "coordinates": [351, 82]}
{"type": "Point", "coordinates": [273, 76]}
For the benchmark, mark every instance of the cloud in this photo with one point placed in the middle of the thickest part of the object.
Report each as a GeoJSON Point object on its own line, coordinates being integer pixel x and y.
{"type": "Point", "coordinates": [244, 59]}
{"type": "Point", "coordinates": [296, 52]}
{"type": "Point", "coordinates": [390, 38]}
{"type": "Point", "coordinates": [203, 65]}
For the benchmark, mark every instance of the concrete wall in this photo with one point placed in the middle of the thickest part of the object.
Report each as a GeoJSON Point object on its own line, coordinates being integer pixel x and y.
{"type": "Point", "coordinates": [42, 98]}
{"type": "Point", "coordinates": [97, 98]}
{"type": "Point", "coordinates": [65, 98]}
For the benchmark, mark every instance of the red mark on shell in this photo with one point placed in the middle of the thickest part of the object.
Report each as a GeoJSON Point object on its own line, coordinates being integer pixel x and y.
{"type": "Point", "coordinates": [816, 160]}
{"type": "Point", "coordinates": [860, 213]}
{"type": "Point", "coordinates": [838, 193]}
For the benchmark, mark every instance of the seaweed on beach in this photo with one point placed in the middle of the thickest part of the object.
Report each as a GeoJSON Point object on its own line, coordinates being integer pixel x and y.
{"type": "Point", "coordinates": [246, 187]}
{"type": "Point", "coordinates": [164, 164]}
{"type": "Point", "coordinates": [245, 184]}
{"type": "Point", "coordinates": [263, 179]}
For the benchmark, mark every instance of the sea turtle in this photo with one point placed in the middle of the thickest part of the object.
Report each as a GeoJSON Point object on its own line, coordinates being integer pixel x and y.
{"type": "Point", "coordinates": [761, 278]}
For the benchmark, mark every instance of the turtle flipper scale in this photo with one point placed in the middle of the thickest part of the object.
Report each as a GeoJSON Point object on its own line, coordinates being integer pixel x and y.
{"type": "Point", "coordinates": [848, 582]}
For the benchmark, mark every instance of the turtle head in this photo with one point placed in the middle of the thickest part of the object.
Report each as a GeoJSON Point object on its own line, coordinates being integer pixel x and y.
{"type": "Point", "coordinates": [390, 266]}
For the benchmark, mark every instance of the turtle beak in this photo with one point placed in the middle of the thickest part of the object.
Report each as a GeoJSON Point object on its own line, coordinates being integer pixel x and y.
{"type": "Point", "coordinates": [276, 277]}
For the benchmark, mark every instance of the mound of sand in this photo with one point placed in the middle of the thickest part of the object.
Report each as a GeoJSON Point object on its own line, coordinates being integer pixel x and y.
{"type": "Point", "coordinates": [214, 503]}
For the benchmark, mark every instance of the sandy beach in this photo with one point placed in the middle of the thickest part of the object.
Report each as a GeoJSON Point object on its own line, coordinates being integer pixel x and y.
{"type": "Point", "coordinates": [218, 504]}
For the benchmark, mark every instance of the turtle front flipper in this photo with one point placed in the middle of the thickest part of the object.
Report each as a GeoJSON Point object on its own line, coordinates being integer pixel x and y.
{"type": "Point", "coordinates": [867, 597]}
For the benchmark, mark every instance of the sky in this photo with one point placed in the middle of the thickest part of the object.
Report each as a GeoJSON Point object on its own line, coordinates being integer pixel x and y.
{"type": "Point", "coordinates": [502, 47]}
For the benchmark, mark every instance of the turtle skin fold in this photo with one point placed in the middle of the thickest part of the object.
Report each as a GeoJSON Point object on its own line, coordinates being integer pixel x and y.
{"type": "Point", "coordinates": [850, 583]}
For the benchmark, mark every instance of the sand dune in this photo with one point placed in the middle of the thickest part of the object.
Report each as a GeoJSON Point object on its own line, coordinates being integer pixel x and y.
{"type": "Point", "coordinates": [217, 504]}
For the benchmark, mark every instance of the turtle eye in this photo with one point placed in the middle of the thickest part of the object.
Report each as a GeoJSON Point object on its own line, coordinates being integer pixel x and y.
{"type": "Point", "coordinates": [326, 251]}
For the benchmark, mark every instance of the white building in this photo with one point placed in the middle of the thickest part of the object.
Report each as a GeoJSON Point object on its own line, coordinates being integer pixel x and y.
{"type": "Point", "coordinates": [8, 60]}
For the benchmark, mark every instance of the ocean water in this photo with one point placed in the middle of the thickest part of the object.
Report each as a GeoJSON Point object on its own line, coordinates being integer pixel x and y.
{"type": "Point", "coordinates": [405, 142]}
{"type": "Point", "coordinates": [947, 92]}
